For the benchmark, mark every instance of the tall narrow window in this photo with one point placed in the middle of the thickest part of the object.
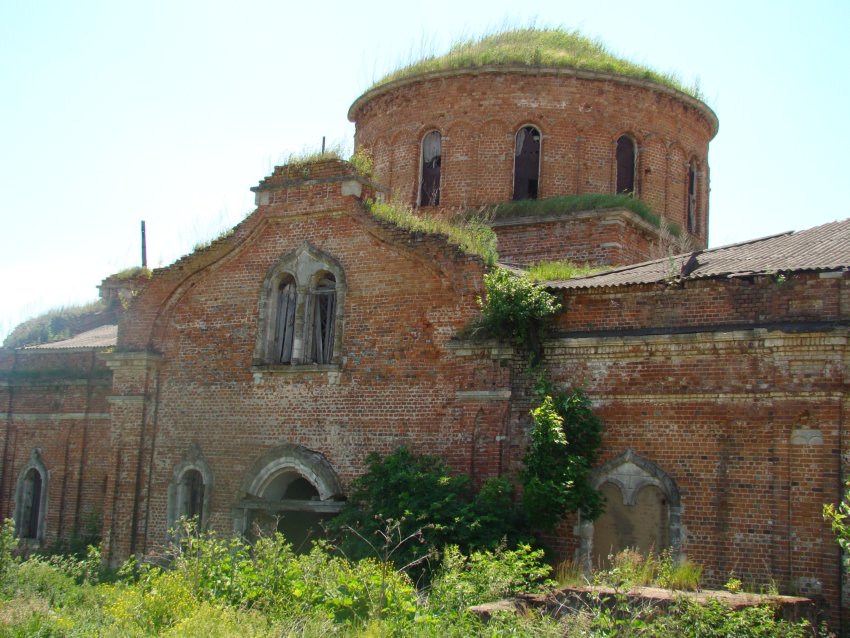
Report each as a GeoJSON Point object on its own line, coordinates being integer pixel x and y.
{"type": "Point", "coordinates": [285, 330]}
{"type": "Point", "coordinates": [692, 197]}
{"type": "Point", "coordinates": [625, 165]}
{"type": "Point", "coordinates": [31, 504]}
{"type": "Point", "coordinates": [192, 495]}
{"type": "Point", "coordinates": [324, 318]}
{"type": "Point", "coordinates": [526, 163]}
{"type": "Point", "coordinates": [429, 190]}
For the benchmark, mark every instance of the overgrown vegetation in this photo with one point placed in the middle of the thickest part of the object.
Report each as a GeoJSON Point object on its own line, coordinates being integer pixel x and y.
{"type": "Point", "coordinates": [471, 237]}
{"type": "Point", "coordinates": [513, 310]}
{"type": "Point", "coordinates": [132, 273]}
{"type": "Point", "coordinates": [837, 516]}
{"type": "Point", "coordinates": [560, 270]}
{"type": "Point", "coordinates": [53, 325]}
{"type": "Point", "coordinates": [565, 439]}
{"type": "Point", "coordinates": [571, 204]}
{"type": "Point", "coordinates": [221, 587]}
{"type": "Point", "coordinates": [534, 47]}
{"type": "Point", "coordinates": [406, 508]}
{"type": "Point", "coordinates": [629, 568]}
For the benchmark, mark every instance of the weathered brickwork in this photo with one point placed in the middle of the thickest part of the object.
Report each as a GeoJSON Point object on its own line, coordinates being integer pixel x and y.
{"type": "Point", "coordinates": [56, 402]}
{"type": "Point", "coordinates": [580, 116]}
{"type": "Point", "coordinates": [725, 394]}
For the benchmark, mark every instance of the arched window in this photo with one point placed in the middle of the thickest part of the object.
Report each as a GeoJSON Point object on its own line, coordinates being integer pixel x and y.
{"type": "Point", "coordinates": [626, 153]}
{"type": "Point", "coordinates": [692, 197]}
{"type": "Point", "coordinates": [31, 499]}
{"type": "Point", "coordinates": [300, 312]}
{"type": "Point", "coordinates": [190, 490]}
{"type": "Point", "coordinates": [324, 318]}
{"type": "Point", "coordinates": [429, 181]}
{"type": "Point", "coordinates": [191, 495]}
{"type": "Point", "coordinates": [526, 163]}
{"type": "Point", "coordinates": [287, 300]}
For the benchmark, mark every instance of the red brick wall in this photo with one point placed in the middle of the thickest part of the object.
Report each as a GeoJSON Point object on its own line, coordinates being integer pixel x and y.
{"type": "Point", "coordinates": [580, 116]}
{"type": "Point", "coordinates": [598, 238]}
{"type": "Point", "coordinates": [56, 401]}
{"type": "Point", "coordinates": [407, 295]}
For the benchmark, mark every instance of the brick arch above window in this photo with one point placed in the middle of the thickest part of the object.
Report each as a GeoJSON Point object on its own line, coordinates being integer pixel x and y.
{"type": "Point", "coordinates": [288, 329]}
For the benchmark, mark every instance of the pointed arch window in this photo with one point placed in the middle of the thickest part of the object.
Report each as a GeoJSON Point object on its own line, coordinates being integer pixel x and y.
{"type": "Point", "coordinates": [429, 183]}
{"type": "Point", "coordinates": [190, 490]}
{"type": "Point", "coordinates": [324, 313]}
{"type": "Point", "coordinates": [287, 301]}
{"type": "Point", "coordinates": [626, 154]}
{"type": "Point", "coordinates": [31, 499]}
{"type": "Point", "coordinates": [692, 197]}
{"type": "Point", "coordinates": [526, 163]}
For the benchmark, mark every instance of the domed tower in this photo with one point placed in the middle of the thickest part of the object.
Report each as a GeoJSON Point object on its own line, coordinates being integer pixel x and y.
{"type": "Point", "coordinates": [549, 117]}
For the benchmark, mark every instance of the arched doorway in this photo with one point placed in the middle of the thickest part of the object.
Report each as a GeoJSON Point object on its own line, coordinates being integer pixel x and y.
{"type": "Point", "coordinates": [292, 490]}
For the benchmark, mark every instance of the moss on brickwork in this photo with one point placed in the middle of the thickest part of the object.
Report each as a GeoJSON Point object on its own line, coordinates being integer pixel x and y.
{"type": "Point", "coordinates": [545, 48]}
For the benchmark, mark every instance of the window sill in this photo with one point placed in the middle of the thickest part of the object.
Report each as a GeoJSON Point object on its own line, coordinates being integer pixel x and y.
{"type": "Point", "coordinates": [331, 370]}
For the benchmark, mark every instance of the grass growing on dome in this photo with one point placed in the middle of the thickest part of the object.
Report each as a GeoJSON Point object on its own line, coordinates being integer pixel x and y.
{"type": "Point", "coordinates": [533, 47]}
{"type": "Point", "coordinates": [471, 237]}
{"type": "Point", "coordinates": [575, 203]}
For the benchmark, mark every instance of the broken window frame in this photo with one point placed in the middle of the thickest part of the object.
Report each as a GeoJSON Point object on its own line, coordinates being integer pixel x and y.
{"type": "Point", "coordinates": [430, 169]}
{"type": "Point", "coordinates": [626, 164]}
{"type": "Point", "coordinates": [191, 495]}
{"type": "Point", "coordinates": [526, 170]}
{"type": "Point", "coordinates": [323, 319]}
{"type": "Point", "coordinates": [286, 306]}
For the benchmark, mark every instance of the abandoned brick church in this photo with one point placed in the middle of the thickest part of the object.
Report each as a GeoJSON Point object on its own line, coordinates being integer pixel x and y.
{"type": "Point", "coordinates": [250, 379]}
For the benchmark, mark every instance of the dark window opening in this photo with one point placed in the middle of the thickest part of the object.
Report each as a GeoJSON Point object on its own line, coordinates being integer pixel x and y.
{"type": "Point", "coordinates": [692, 198]}
{"type": "Point", "coordinates": [192, 493]}
{"type": "Point", "coordinates": [429, 189]}
{"type": "Point", "coordinates": [32, 504]}
{"type": "Point", "coordinates": [285, 330]}
{"type": "Point", "coordinates": [324, 312]}
{"type": "Point", "coordinates": [526, 163]}
{"type": "Point", "coordinates": [302, 528]}
{"type": "Point", "coordinates": [625, 165]}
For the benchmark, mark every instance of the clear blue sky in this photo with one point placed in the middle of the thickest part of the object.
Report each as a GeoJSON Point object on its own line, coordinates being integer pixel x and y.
{"type": "Point", "coordinates": [169, 111]}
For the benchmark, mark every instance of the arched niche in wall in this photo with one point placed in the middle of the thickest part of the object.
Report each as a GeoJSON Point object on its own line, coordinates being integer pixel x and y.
{"type": "Point", "coordinates": [190, 490]}
{"type": "Point", "coordinates": [31, 499]}
{"type": "Point", "coordinates": [289, 489]}
{"type": "Point", "coordinates": [643, 511]}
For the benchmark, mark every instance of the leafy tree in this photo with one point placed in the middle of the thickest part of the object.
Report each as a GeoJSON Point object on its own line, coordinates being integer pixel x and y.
{"type": "Point", "coordinates": [837, 517]}
{"type": "Point", "coordinates": [565, 439]}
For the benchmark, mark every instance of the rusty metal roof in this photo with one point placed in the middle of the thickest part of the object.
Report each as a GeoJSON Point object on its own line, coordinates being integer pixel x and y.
{"type": "Point", "coordinates": [825, 247]}
{"type": "Point", "coordinates": [97, 338]}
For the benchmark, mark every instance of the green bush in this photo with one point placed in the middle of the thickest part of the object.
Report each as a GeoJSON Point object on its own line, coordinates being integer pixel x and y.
{"type": "Point", "coordinates": [405, 508]}
{"type": "Point", "coordinates": [565, 440]}
{"type": "Point", "coordinates": [514, 308]}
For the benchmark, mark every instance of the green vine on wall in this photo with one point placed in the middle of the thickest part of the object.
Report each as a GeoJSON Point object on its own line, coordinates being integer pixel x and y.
{"type": "Point", "coordinates": [565, 440]}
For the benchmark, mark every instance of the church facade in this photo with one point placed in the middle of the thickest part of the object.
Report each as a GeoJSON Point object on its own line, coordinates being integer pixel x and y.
{"type": "Point", "coordinates": [246, 383]}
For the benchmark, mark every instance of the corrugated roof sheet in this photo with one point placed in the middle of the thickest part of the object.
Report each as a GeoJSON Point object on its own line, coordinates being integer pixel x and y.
{"type": "Point", "coordinates": [100, 337]}
{"type": "Point", "coordinates": [825, 247]}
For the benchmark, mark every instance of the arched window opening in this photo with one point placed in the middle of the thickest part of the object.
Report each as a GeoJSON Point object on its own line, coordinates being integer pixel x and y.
{"type": "Point", "coordinates": [31, 504]}
{"type": "Point", "coordinates": [324, 318]}
{"type": "Point", "coordinates": [626, 154]}
{"type": "Point", "coordinates": [429, 186]}
{"type": "Point", "coordinates": [192, 495]}
{"type": "Point", "coordinates": [287, 297]}
{"type": "Point", "coordinates": [692, 197]}
{"type": "Point", "coordinates": [526, 163]}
